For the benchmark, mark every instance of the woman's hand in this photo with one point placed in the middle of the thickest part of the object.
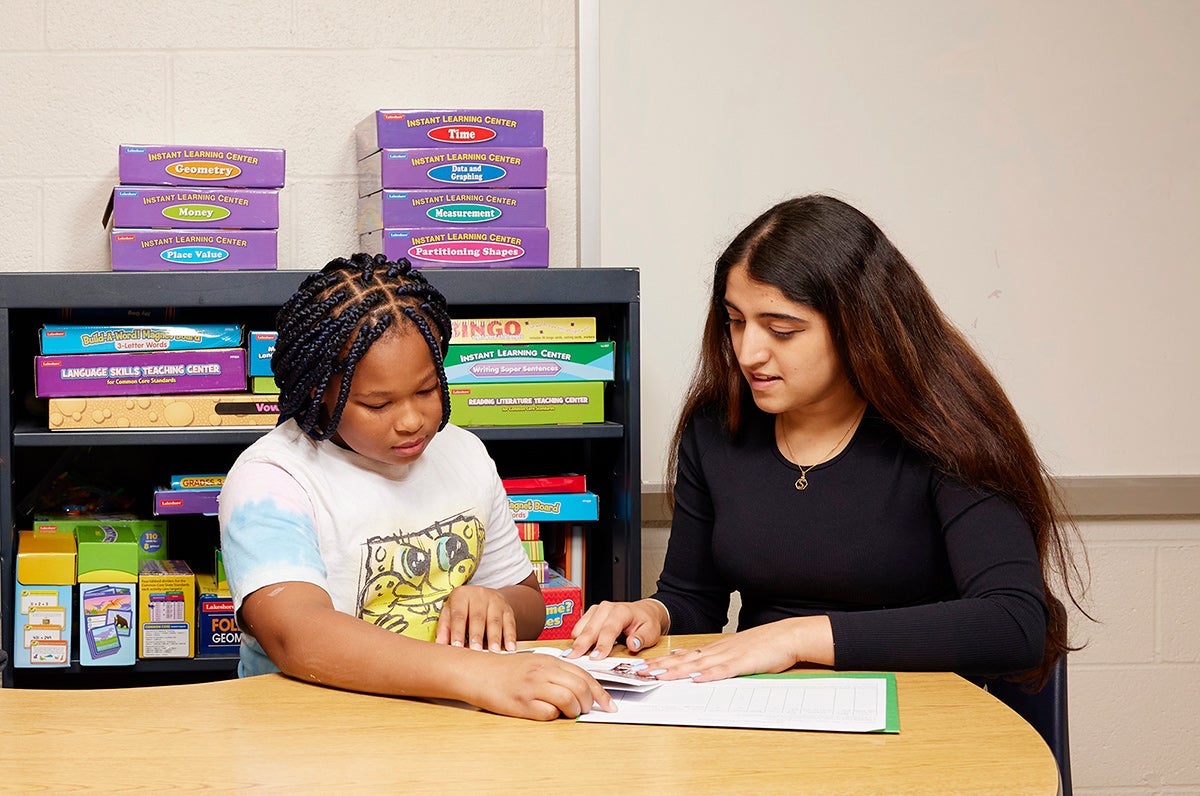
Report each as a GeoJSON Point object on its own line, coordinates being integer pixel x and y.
{"type": "Point", "coordinates": [475, 616]}
{"type": "Point", "coordinates": [642, 623]}
{"type": "Point", "coordinates": [770, 648]}
{"type": "Point", "coordinates": [535, 686]}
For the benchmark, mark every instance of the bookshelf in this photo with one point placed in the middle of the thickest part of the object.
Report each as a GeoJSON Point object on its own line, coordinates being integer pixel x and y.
{"type": "Point", "coordinates": [607, 453]}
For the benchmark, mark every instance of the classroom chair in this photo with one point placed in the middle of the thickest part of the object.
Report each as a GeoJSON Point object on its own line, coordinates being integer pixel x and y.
{"type": "Point", "coordinates": [1046, 711]}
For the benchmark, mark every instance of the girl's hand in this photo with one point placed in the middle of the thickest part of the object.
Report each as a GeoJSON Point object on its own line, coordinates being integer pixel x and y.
{"type": "Point", "coordinates": [477, 617]}
{"type": "Point", "coordinates": [538, 687]}
{"type": "Point", "coordinates": [770, 648]}
{"type": "Point", "coordinates": [642, 623]}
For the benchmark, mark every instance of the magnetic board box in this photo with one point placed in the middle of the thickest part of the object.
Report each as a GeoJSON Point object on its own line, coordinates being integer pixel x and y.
{"type": "Point", "coordinates": [166, 610]}
{"type": "Point", "coordinates": [78, 339]}
{"type": "Point", "coordinates": [43, 599]}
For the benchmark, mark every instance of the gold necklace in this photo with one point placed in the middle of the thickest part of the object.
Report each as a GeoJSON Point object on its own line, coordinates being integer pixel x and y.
{"type": "Point", "coordinates": [802, 481]}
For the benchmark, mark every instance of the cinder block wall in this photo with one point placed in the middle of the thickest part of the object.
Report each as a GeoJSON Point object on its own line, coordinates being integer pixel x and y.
{"type": "Point", "coordinates": [77, 79]}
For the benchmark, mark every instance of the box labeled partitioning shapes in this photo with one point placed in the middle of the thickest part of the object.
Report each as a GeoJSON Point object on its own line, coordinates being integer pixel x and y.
{"type": "Point", "coordinates": [527, 404]}
{"type": "Point", "coordinates": [42, 605]}
{"type": "Point", "coordinates": [194, 249]}
{"type": "Point", "coordinates": [149, 373]}
{"type": "Point", "coordinates": [564, 606]}
{"type": "Point", "coordinates": [415, 127]}
{"type": "Point", "coordinates": [166, 610]}
{"type": "Point", "coordinates": [227, 208]}
{"type": "Point", "coordinates": [417, 207]}
{"type": "Point", "coordinates": [495, 247]}
{"type": "Point", "coordinates": [491, 167]}
{"type": "Point", "coordinates": [132, 413]}
{"type": "Point", "coordinates": [474, 364]}
{"type": "Point", "coordinates": [200, 165]}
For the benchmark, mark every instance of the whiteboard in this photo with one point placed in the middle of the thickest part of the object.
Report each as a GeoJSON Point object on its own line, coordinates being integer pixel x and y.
{"type": "Point", "coordinates": [1038, 163]}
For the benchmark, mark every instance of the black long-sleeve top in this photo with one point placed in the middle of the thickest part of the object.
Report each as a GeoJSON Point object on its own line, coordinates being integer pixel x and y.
{"type": "Point", "coordinates": [915, 570]}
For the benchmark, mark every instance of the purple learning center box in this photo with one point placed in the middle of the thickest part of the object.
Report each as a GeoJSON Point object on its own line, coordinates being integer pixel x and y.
{"type": "Point", "coordinates": [227, 208]}
{"type": "Point", "coordinates": [422, 207]}
{"type": "Point", "coordinates": [150, 373]}
{"type": "Point", "coordinates": [190, 165]}
{"type": "Point", "coordinates": [439, 247]}
{"type": "Point", "coordinates": [194, 249]}
{"type": "Point", "coordinates": [439, 167]}
{"type": "Point", "coordinates": [432, 127]}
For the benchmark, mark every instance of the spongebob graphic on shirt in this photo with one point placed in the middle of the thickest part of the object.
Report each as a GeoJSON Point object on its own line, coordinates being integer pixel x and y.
{"type": "Point", "coordinates": [407, 576]}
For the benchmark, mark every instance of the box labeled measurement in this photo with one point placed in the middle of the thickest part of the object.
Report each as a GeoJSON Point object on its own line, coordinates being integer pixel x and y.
{"type": "Point", "coordinates": [205, 410]}
{"type": "Point", "coordinates": [150, 373]}
{"type": "Point", "coordinates": [227, 208]}
{"type": "Point", "coordinates": [194, 249]}
{"type": "Point", "coordinates": [200, 165]}
{"type": "Point", "coordinates": [564, 606]}
{"type": "Point", "coordinates": [556, 507]}
{"type": "Point", "coordinates": [438, 167]}
{"type": "Point", "coordinates": [260, 347]}
{"type": "Point", "coordinates": [186, 501]}
{"type": "Point", "coordinates": [494, 247]}
{"type": "Point", "coordinates": [541, 330]}
{"type": "Point", "coordinates": [527, 404]}
{"type": "Point", "coordinates": [74, 339]}
{"type": "Point", "coordinates": [42, 604]}
{"type": "Point", "coordinates": [431, 127]}
{"type": "Point", "coordinates": [474, 364]}
{"type": "Point", "coordinates": [217, 632]}
{"type": "Point", "coordinates": [166, 610]}
{"type": "Point", "coordinates": [514, 207]}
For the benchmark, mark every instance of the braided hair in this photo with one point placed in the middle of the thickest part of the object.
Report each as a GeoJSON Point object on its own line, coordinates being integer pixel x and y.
{"type": "Point", "coordinates": [330, 322]}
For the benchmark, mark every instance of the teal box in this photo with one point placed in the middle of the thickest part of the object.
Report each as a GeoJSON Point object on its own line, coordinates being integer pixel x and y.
{"type": "Point", "coordinates": [260, 348]}
{"type": "Point", "coordinates": [514, 362]}
{"type": "Point", "coordinates": [43, 601]}
{"type": "Point", "coordinates": [73, 339]}
{"type": "Point", "coordinates": [565, 507]}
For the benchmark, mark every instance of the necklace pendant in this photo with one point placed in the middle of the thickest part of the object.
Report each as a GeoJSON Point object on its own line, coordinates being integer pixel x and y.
{"type": "Point", "coordinates": [802, 482]}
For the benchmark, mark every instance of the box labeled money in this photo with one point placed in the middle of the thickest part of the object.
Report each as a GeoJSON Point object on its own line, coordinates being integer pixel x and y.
{"type": "Point", "coordinates": [149, 373]}
{"type": "Point", "coordinates": [423, 207]}
{"type": "Point", "coordinates": [438, 167]}
{"type": "Point", "coordinates": [194, 249]}
{"type": "Point", "coordinates": [527, 404]}
{"type": "Point", "coordinates": [430, 127]}
{"type": "Point", "coordinates": [226, 208]}
{"type": "Point", "coordinates": [471, 364]}
{"type": "Point", "coordinates": [494, 247]}
{"type": "Point", "coordinates": [204, 410]}
{"type": "Point", "coordinates": [245, 167]}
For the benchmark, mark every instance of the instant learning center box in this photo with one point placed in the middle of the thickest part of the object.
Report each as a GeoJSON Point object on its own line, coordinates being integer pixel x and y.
{"type": "Point", "coordinates": [431, 127]}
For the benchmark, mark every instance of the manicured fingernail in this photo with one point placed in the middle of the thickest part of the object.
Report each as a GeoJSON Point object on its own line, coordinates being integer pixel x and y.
{"type": "Point", "coordinates": [656, 672]}
{"type": "Point", "coordinates": [455, 643]}
{"type": "Point", "coordinates": [635, 644]}
{"type": "Point", "coordinates": [511, 646]}
{"type": "Point", "coordinates": [694, 675]}
{"type": "Point", "coordinates": [594, 654]}
{"type": "Point", "coordinates": [637, 667]}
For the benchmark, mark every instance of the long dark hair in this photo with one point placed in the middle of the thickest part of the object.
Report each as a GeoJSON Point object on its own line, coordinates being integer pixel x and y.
{"type": "Point", "coordinates": [328, 324]}
{"type": "Point", "coordinates": [903, 356]}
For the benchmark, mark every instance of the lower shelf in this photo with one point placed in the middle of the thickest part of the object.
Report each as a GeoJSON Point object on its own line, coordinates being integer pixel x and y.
{"type": "Point", "coordinates": [174, 671]}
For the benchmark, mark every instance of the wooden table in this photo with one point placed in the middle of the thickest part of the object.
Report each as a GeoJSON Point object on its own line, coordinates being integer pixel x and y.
{"type": "Point", "coordinates": [273, 734]}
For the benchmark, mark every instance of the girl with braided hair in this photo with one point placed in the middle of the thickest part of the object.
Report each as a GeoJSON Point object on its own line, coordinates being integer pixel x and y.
{"type": "Point", "coordinates": [368, 542]}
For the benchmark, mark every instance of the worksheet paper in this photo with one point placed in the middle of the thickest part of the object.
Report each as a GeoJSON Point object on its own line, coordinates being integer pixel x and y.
{"type": "Point", "coordinates": [826, 703]}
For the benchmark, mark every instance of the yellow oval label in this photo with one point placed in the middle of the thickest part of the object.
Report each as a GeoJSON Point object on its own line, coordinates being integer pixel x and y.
{"type": "Point", "coordinates": [203, 170]}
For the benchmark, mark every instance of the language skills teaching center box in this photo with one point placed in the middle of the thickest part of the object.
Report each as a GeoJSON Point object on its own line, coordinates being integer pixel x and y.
{"type": "Point", "coordinates": [148, 373]}
{"type": "Point", "coordinates": [144, 412]}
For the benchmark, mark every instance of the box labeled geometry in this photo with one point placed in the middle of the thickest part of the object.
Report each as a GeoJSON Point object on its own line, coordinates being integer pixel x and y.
{"type": "Point", "coordinates": [493, 247]}
{"type": "Point", "coordinates": [440, 127]}
{"type": "Point", "coordinates": [150, 373]}
{"type": "Point", "coordinates": [133, 413]}
{"type": "Point", "coordinates": [193, 165]}
{"type": "Point", "coordinates": [472, 364]}
{"type": "Point", "coordinates": [527, 404]}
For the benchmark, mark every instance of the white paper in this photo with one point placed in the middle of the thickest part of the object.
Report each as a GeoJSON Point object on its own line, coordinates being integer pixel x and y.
{"type": "Point", "coordinates": [834, 704]}
{"type": "Point", "coordinates": [612, 673]}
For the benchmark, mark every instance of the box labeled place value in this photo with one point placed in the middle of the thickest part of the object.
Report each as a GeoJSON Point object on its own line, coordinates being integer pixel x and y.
{"type": "Point", "coordinates": [194, 249]}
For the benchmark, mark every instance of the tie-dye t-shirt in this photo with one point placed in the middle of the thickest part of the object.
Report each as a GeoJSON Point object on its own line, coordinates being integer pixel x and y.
{"type": "Point", "coordinates": [387, 543]}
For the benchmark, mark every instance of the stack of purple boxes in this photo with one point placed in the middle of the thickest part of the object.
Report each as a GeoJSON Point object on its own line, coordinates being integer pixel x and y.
{"type": "Point", "coordinates": [183, 208]}
{"type": "Point", "coordinates": [453, 188]}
